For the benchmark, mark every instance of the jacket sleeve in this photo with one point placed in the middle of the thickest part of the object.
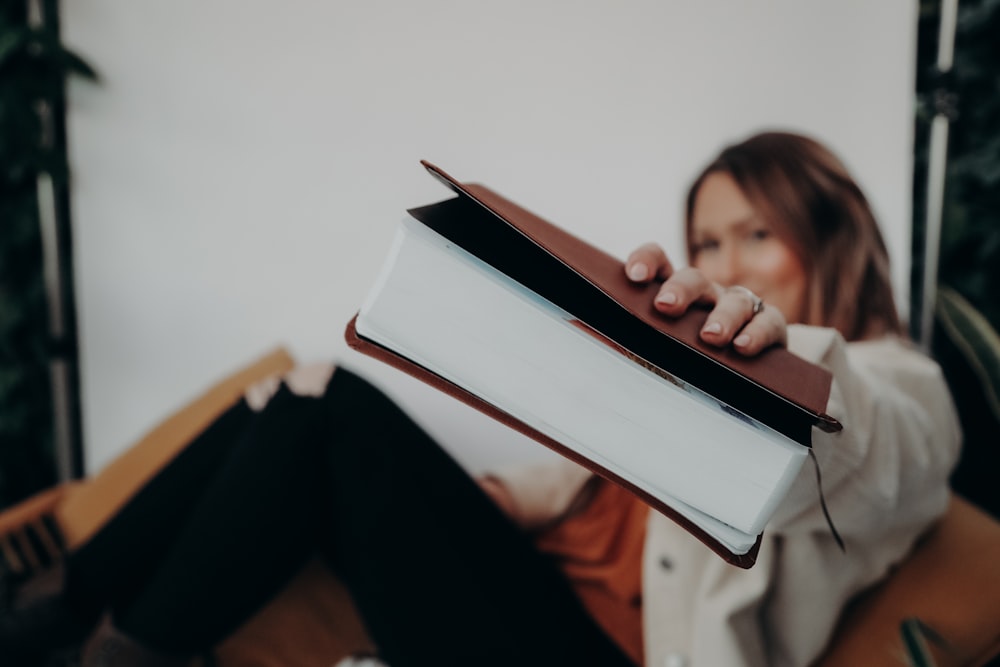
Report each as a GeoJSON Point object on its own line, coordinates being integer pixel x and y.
{"type": "Point", "coordinates": [888, 468]}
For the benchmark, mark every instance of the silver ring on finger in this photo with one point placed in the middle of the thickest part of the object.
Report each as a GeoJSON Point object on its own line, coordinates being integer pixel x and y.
{"type": "Point", "coordinates": [758, 303]}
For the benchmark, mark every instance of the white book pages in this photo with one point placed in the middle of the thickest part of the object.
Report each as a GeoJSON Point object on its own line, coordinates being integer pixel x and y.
{"type": "Point", "coordinates": [454, 315]}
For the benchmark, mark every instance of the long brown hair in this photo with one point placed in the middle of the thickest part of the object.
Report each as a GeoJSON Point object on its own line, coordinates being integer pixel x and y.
{"type": "Point", "coordinates": [802, 189]}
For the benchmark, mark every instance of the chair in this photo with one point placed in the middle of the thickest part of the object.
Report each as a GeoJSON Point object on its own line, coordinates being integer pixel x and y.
{"type": "Point", "coordinates": [951, 581]}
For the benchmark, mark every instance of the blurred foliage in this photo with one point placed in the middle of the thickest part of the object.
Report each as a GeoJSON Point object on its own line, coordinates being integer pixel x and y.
{"type": "Point", "coordinates": [33, 67]}
{"type": "Point", "coordinates": [970, 234]}
{"type": "Point", "coordinates": [978, 342]}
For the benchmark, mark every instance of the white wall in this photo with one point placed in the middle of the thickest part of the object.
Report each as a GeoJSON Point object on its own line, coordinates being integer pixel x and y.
{"type": "Point", "coordinates": [241, 167]}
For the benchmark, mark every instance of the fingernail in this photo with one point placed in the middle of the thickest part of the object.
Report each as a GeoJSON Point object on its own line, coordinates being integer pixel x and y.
{"type": "Point", "coordinates": [638, 271]}
{"type": "Point", "coordinates": [668, 298]}
{"type": "Point", "coordinates": [712, 328]}
{"type": "Point", "coordinates": [741, 340]}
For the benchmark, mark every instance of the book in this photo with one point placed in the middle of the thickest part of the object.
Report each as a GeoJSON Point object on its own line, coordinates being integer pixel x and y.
{"type": "Point", "coordinates": [539, 329]}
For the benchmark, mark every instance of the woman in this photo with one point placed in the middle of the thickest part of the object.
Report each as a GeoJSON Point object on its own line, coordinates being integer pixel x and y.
{"type": "Point", "coordinates": [779, 214]}
{"type": "Point", "coordinates": [568, 570]}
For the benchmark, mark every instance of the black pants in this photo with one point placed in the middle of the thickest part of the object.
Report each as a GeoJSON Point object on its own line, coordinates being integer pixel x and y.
{"type": "Point", "coordinates": [439, 574]}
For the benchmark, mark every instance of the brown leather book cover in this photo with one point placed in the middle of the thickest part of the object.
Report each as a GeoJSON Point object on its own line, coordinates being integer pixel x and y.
{"type": "Point", "coordinates": [776, 387]}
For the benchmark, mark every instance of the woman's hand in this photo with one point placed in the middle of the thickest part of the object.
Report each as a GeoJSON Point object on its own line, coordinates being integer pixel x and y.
{"type": "Point", "coordinates": [739, 317]}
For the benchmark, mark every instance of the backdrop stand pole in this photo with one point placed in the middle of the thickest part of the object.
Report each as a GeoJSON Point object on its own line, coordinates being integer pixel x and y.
{"type": "Point", "coordinates": [944, 113]}
{"type": "Point", "coordinates": [54, 221]}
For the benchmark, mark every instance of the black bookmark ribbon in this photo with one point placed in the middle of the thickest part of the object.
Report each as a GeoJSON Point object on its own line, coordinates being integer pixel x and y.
{"type": "Point", "coordinates": [822, 503]}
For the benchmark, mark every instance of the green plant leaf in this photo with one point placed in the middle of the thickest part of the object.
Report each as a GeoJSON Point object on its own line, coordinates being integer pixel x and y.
{"type": "Point", "coordinates": [12, 40]}
{"type": "Point", "coordinates": [42, 46]}
{"type": "Point", "coordinates": [975, 338]}
{"type": "Point", "coordinates": [915, 634]}
{"type": "Point", "coordinates": [77, 65]}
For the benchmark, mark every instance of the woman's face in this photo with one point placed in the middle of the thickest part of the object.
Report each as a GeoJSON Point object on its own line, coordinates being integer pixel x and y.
{"type": "Point", "coordinates": [733, 245]}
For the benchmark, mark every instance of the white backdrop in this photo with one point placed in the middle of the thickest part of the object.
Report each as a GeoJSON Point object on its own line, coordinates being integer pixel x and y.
{"type": "Point", "coordinates": [240, 169]}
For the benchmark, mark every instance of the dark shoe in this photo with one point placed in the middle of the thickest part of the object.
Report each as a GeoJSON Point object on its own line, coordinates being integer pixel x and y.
{"type": "Point", "coordinates": [110, 647]}
{"type": "Point", "coordinates": [32, 631]}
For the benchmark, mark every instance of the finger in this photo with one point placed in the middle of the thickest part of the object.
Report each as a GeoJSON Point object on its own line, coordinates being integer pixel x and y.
{"type": "Point", "coordinates": [733, 309]}
{"type": "Point", "coordinates": [767, 328]}
{"type": "Point", "coordinates": [682, 288]}
{"type": "Point", "coordinates": [647, 262]}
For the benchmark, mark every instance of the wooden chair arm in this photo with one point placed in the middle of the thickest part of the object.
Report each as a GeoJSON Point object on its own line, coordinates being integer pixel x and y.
{"type": "Point", "coordinates": [951, 582]}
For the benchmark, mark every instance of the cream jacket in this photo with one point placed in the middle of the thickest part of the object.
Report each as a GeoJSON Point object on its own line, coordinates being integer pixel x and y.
{"type": "Point", "coordinates": [884, 478]}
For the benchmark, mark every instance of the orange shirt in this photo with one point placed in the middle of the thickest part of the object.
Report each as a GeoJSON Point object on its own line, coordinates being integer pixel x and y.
{"type": "Point", "coordinates": [600, 550]}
